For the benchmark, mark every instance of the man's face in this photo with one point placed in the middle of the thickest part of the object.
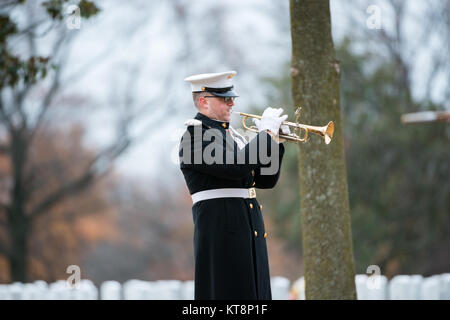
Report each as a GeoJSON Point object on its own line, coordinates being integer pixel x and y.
{"type": "Point", "coordinates": [217, 108]}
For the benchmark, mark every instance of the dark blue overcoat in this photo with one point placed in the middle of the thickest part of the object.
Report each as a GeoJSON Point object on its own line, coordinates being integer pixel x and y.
{"type": "Point", "coordinates": [230, 249]}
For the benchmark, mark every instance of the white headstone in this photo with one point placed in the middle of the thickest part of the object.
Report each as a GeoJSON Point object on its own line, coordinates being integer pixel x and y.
{"type": "Point", "coordinates": [86, 290]}
{"type": "Point", "coordinates": [430, 288]}
{"type": "Point", "coordinates": [137, 290]}
{"type": "Point", "coordinates": [361, 286]}
{"type": "Point", "coordinates": [15, 291]}
{"type": "Point", "coordinates": [30, 292]}
{"type": "Point", "coordinates": [59, 291]}
{"type": "Point", "coordinates": [280, 288]}
{"type": "Point", "coordinates": [188, 290]}
{"type": "Point", "coordinates": [150, 290]}
{"type": "Point", "coordinates": [111, 290]}
{"type": "Point", "coordinates": [416, 282]}
{"type": "Point", "coordinates": [376, 287]}
{"type": "Point", "coordinates": [42, 289]}
{"type": "Point", "coordinates": [4, 292]}
{"type": "Point", "coordinates": [445, 286]}
{"type": "Point", "coordinates": [168, 289]}
{"type": "Point", "coordinates": [400, 287]}
{"type": "Point", "coordinates": [297, 291]}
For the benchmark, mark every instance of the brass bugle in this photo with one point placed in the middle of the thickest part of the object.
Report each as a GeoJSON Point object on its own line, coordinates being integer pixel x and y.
{"type": "Point", "coordinates": [326, 132]}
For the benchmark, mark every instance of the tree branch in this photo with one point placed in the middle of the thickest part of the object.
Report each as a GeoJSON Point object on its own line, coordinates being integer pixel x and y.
{"type": "Point", "coordinates": [47, 101]}
{"type": "Point", "coordinates": [64, 192]}
{"type": "Point", "coordinates": [4, 117]}
{"type": "Point", "coordinates": [98, 168]}
{"type": "Point", "coordinates": [10, 3]}
{"type": "Point", "coordinates": [19, 98]}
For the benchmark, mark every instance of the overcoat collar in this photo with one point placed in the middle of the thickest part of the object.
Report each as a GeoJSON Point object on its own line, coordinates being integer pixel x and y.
{"type": "Point", "coordinates": [212, 123]}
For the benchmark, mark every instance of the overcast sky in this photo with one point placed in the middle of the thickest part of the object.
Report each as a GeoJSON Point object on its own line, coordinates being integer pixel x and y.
{"type": "Point", "coordinates": [141, 40]}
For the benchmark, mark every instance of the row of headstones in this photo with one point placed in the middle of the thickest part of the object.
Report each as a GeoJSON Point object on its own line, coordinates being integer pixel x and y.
{"type": "Point", "coordinates": [403, 287]}
{"type": "Point", "coordinates": [40, 290]}
{"type": "Point", "coordinates": [172, 290]}
{"type": "Point", "coordinates": [113, 290]}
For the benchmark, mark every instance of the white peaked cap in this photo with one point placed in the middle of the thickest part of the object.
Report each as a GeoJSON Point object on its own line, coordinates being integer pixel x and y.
{"type": "Point", "coordinates": [220, 84]}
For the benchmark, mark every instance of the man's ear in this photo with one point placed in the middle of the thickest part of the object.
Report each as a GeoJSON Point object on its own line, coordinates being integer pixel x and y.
{"type": "Point", "coordinates": [203, 102]}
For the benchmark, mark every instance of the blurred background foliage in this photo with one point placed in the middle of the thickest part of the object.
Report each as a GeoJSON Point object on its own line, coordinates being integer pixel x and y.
{"type": "Point", "coordinates": [397, 174]}
{"type": "Point", "coordinates": [119, 226]}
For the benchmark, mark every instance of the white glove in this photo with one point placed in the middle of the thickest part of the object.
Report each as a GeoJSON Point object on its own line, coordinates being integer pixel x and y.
{"type": "Point", "coordinates": [270, 120]}
{"type": "Point", "coordinates": [285, 129]}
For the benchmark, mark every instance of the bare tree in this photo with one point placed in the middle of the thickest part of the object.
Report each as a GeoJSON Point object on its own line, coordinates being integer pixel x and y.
{"type": "Point", "coordinates": [408, 35]}
{"type": "Point", "coordinates": [22, 118]}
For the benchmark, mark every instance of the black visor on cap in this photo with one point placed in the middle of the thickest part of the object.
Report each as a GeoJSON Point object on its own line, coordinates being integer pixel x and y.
{"type": "Point", "coordinates": [222, 92]}
{"type": "Point", "coordinates": [230, 93]}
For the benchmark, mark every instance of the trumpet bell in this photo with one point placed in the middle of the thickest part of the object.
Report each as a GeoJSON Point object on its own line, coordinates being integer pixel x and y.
{"type": "Point", "coordinates": [329, 131]}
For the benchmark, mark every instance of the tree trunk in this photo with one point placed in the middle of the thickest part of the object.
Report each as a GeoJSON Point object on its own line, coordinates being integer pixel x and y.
{"type": "Point", "coordinates": [325, 223]}
{"type": "Point", "coordinates": [18, 222]}
{"type": "Point", "coordinates": [18, 230]}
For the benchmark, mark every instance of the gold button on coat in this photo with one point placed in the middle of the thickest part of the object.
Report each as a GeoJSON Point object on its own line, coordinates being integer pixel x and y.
{"type": "Point", "coordinates": [260, 207]}
{"type": "Point", "coordinates": [256, 233]}
{"type": "Point", "coordinates": [253, 172]}
{"type": "Point", "coordinates": [251, 206]}
{"type": "Point", "coordinates": [265, 235]}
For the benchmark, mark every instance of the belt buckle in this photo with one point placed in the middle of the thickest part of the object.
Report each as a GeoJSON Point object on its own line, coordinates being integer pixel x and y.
{"type": "Point", "coordinates": [251, 193]}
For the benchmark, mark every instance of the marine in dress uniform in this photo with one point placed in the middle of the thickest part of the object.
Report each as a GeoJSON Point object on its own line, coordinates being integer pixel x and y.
{"type": "Point", "coordinates": [230, 251]}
